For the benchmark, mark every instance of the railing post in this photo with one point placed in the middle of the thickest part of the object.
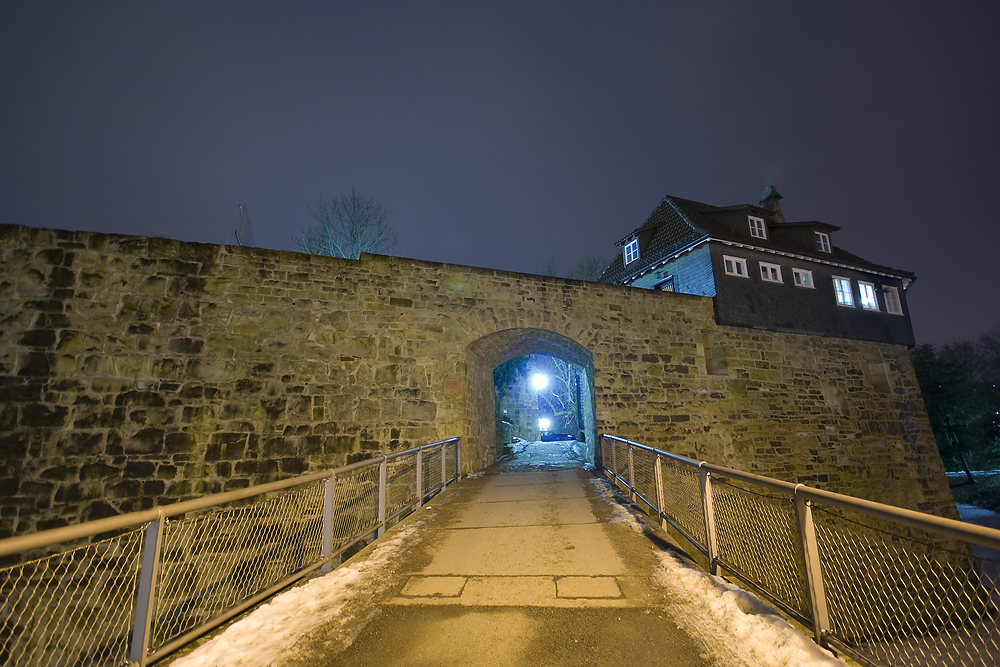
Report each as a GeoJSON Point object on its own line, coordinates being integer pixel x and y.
{"type": "Point", "coordinates": [614, 458]}
{"type": "Point", "coordinates": [708, 506]}
{"type": "Point", "coordinates": [444, 466]}
{"type": "Point", "coordinates": [420, 478]}
{"type": "Point", "coordinates": [814, 571]}
{"type": "Point", "coordinates": [658, 482]}
{"type": "Point", "coordinates": [383, 480]}
{"type": "Point", "coordinates": [458, 459]}
{"type": "Point", "coordinates": [328, 522]}
{"type": "Point", "coordinates": [631, 475]}
{"type": "Point", "coordinates": [145, 602]}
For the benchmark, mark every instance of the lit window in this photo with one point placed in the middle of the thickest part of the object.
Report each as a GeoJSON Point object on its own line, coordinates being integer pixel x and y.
{"type": "Point", "coordinates": [868, 301]}
{"type": "Point", "coordinates": [770, 272]}
{"type": "Point", "coordinates": [822, 242]}
{"type": "Point", "coordinates": [842, 286]}
{"type": "Point", "coordinates": [736, 266]}
{"type": "Point", "coordinates": [892, 303]}
{"type": "Point", "coordinates": [631, 251]}
{"type": "Point", "coordinates": [757, 229]}
{"type": "Point", "coordinates": [803, 278]}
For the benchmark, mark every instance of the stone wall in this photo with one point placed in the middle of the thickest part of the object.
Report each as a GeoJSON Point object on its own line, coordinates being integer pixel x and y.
{"type": "Point", "coordinates": [137, 371]}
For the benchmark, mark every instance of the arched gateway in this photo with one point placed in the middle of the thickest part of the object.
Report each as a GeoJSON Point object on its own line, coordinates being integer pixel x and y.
{"type": "Point", "coordinates": [487, 353]}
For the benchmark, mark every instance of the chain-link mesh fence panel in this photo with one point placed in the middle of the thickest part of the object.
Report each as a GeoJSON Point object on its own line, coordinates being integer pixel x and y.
{"type": "Point", "coordinates": [432, 470]}
{"type": "Point", "coordinates": [682, 501]}
{"type": "Point", "coordinates": [355, 504]}
{"type": "Point", "coordinates": [213, 562]}
{"type": "Point", "coordinates": [905, 597]}
{"type": "Point", "coordinates": [401, 483]}
{"type": "Point", "coordinates": [644, 474]}
{"type": "Point", "coordinates": [71, 608]}
{"type": "Point", "coordinates": [452, 452]}
{"type": "Point", "coordinates": [606, 446]}
{"type": "Point", "coordinates": [757, 536]}
{"type": "Point", "coordinates": [621, 459]}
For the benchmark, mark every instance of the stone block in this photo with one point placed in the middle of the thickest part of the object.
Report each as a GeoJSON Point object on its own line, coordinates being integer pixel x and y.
{"type": "Point", "coordinates": [40, 415]}
{"type": "Point", "coordinates": [146, 441]}
{"type": "Point", "coordinates": [34, 364]}
{"type": "Point", "coordinates": [139, 469]}
{"type": "Point", "coordinates": [38, 338]}
{"type": "Point", "coordinates": [293, 466]}
{"type": "Point", "coordinates": [419, 410]}
{"type": "Point", "coordinates": [185, 345]}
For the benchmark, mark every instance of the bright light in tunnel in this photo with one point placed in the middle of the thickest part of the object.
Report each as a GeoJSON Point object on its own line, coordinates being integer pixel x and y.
{"type": "Point", "coordinates": [539, 381]}
{"type": "Point", "coordinates": [544, 424]}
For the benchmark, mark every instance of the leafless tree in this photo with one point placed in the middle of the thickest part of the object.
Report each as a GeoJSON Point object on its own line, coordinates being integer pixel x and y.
{"type": "Point", "coordinates": [989, 348]}
{"type": "Point", "coordinates": [589, 269]}
{"type": "Point", "coordinates": [347, 226]}
{"type": "Point", "coordinates": [561, 403]}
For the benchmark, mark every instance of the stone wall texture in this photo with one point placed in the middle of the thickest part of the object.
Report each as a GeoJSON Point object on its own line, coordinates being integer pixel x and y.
{"type": "Point", "coordinates": [139, 371]}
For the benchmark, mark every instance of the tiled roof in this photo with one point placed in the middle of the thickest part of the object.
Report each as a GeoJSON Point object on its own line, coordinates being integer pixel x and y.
{"type": "Point", "coordinates": [681, 223]}
{"type": "Point", "coordinates": [674, 230]}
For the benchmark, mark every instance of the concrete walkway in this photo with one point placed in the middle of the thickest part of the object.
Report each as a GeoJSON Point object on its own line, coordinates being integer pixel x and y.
{"type": "Point", "coordinates": [522, 567]}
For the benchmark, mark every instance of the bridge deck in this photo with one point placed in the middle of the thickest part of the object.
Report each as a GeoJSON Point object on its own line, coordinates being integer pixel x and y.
{"type": "Point", "coordinates": [526, 565]}
{"type": "Point", "coordinates": [522, 567]}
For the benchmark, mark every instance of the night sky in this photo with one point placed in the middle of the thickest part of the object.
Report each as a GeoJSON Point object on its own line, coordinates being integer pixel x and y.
{"type": "Point", "coordinates": [505, 134]}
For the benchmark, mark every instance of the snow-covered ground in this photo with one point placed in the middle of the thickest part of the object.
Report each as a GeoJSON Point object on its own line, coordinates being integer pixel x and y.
{"type": "Point", "coordinates": [979, 516]}
{"type": "Point", "coordinates": [981, 473]}
{"type": "Point", "coordinates": [735, 628]}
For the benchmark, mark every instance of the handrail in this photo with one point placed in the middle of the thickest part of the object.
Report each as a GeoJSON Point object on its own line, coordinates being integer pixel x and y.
{"type": "Point", "coordinates": [68, 533]}
{"type": "Point", "coordinates": [961, 530]}
{"type": "Point", "coordinates": [52, 536]}
{"type": "Point", "coordinates": [986, 537]}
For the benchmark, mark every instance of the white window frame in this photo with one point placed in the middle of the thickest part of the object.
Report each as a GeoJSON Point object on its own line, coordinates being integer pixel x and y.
{"type": "Point", "coordinates": [803, 278]}
{"type": "Point", "coordinates": [631, 251]}
{"type": "Point", "coordinates": [734, 266]}
{"type": "Point", "coordinates": [844, 297]}
{"type": "Point", "coordinates": [869, 300]}
{"type": "Point", "coordinates": [770, 273]}
{"type": "Point", "coordinates": [893, 305]}
{"type": "Point", "coordinates": [665, 284]}
{"type": "Point", "coordinates": [758, 229]}
{"type": "Point", "coordinates": [823, 242]}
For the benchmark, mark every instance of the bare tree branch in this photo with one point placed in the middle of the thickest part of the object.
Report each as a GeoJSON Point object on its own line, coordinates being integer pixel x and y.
{"type": "Point", "coordinates": [347, 226]}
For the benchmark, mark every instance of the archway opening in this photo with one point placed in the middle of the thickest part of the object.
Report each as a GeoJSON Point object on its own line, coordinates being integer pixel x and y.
{"type": "Point", "coordinates": [545, 383]}
{"type": "Point", "coordinates": [542, 398]}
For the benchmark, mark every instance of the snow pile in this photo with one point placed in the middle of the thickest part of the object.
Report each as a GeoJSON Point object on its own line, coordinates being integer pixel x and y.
{"type": "Point", "coordinates": [733, 626]}
{"type": "Point", "coordinates": [341, 597]}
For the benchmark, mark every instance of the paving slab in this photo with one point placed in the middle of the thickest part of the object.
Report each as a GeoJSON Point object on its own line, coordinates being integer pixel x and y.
{"type": "Point", "coordinates": [525, 550]}
{"type": "Point", "coordinates": [518, 513]}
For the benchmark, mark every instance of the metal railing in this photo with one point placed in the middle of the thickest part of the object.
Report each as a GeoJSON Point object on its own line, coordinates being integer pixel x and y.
{"type": "Point", "coordinates": [884, 585]}
{"type": "Point", "coordinates": [160, 579]}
